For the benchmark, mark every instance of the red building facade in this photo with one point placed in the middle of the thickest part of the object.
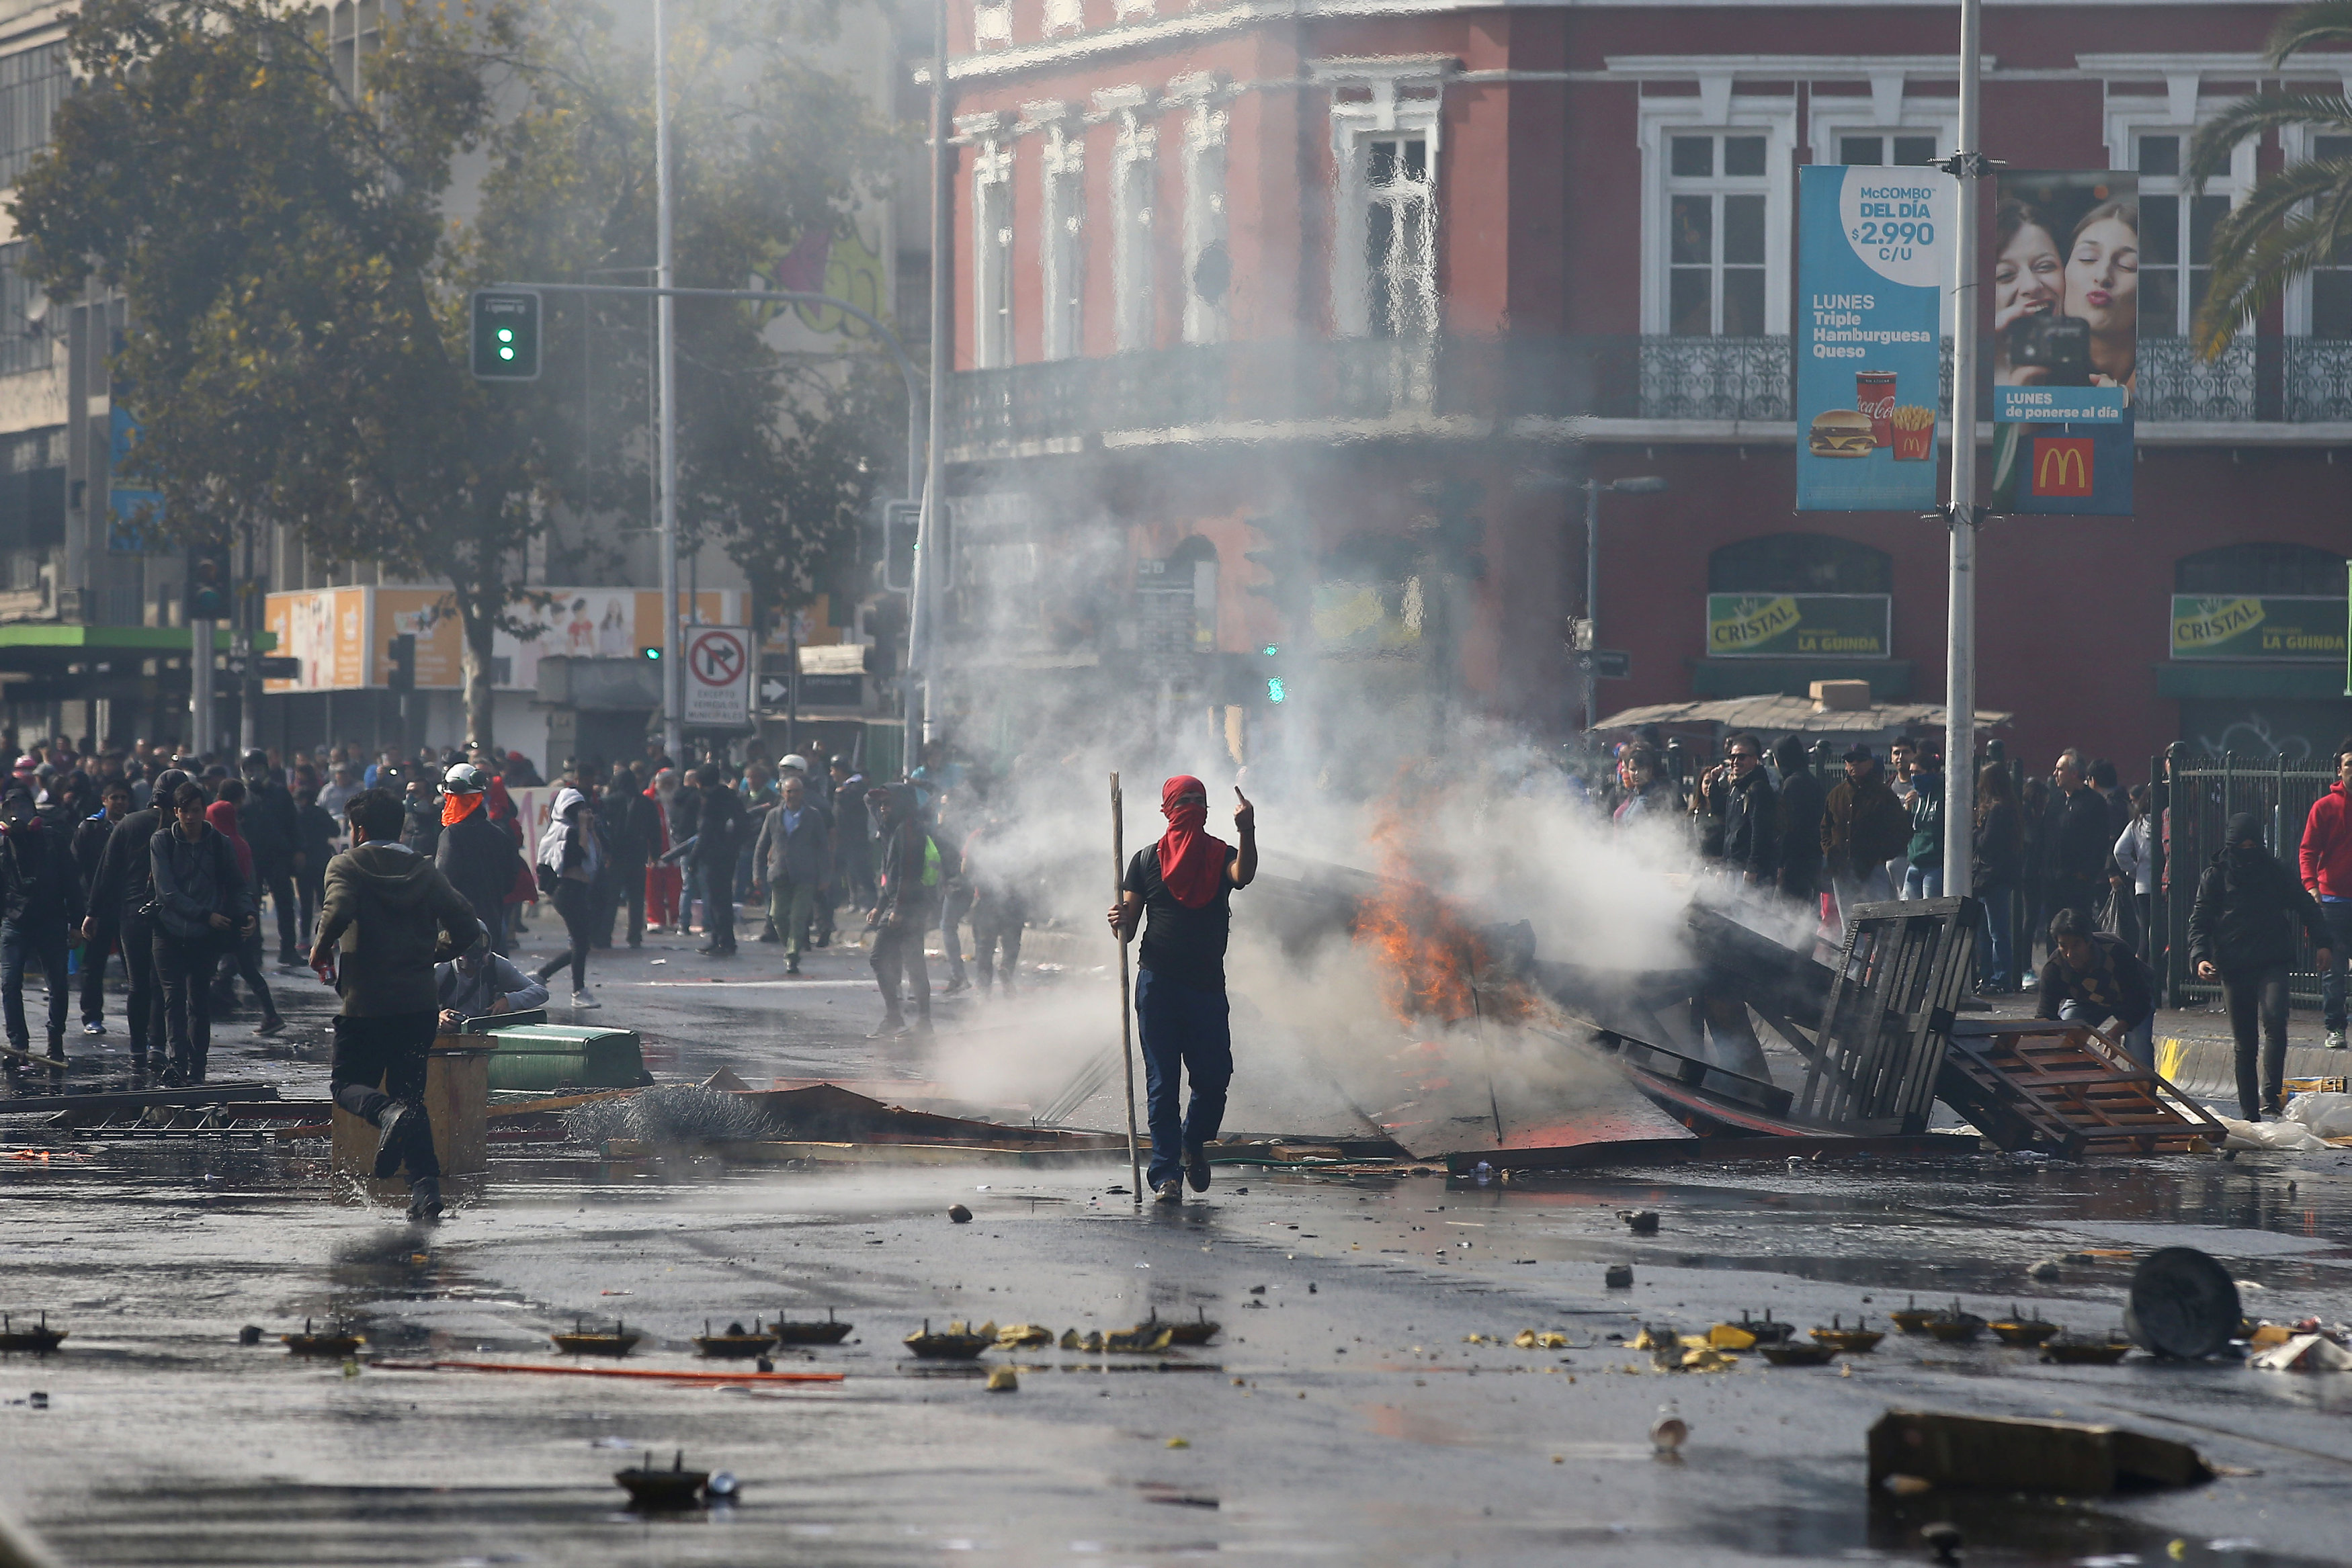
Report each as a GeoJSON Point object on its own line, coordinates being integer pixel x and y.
{"type": "Point", "coordinates": [1302, 330]}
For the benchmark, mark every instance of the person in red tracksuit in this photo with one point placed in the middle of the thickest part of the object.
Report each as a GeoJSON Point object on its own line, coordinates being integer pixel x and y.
{"type": "Point", "coordinates": [2327, 865]}
{"type": "Point", "coordinates": [665, 880]}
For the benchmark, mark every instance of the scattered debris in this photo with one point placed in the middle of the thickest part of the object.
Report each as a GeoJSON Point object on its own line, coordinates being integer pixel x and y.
{"type": "Point", "coordinates": [737, 1344]}
{"type": "Point", "coordinates": [1669, 1432]}
{"type": "Point", "coordinates": [956, 1344]}
{"type": "Point", "coordinates": [581, 1342]}
{"type": "Point", "coordinates": [332, 1342]}
{"type": "Point", "coordinates": [2046, 1272]}
{"type": "Point", "coordinates": [1787, 1354]}
{"type": "Point", "coordinates": [1956, 1326]}
{"type": "Point", "coordinates": [810, 1332]}
{"type": "Point", "coordinates": [1855, 1341]}
{"type": "Point", "coordinates": [2303, 1353]}
{"type": "Point", "coordinates": [959, 1214]}
{"type": "Point", "coordinates": [40, 1341]}
{"type": "Point", "coordinates": [1943, 1538]}
{"type": "Point", "coordinates": [1015, 1336]}
{"type": "Point", "coordinates": [1198, 1331]}
{"type": "Point", "coordinates": [2070, 1350]}
{"type": "Point", "coordinates": [1643, 1222]}
{"type": "Point", "coordinates": [640, 1373]}
{"type": "Point", "coordinates": [670, 1114]}
{"type": "Point", "coordinates": [652, 1491]}
{"type": "Point", "coordinates": [249, 1335]}
{"type": "Point", "coordinates": [2183, 1304]}
{"type": "Point", "coordinates": [1619, 1277]}
{"type": "Point", "coordinates": [1912, 1318]}
{"type": "Point", "coordinates": [1765, 1330]}
{"type": "Point", "coordinates": [2009, 1454]}
{"type": "Point", "coordinates": [1002, 1380]}
{"type": "Point", "coordinates": [2023, 1332]}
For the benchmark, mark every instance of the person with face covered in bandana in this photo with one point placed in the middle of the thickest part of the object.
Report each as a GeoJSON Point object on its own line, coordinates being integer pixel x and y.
{"type": "Point", "coordinates": [1186, 881]}
{"type": "Point", "coordinates": [40, 901]}
{"type": "Point", "coordinates": [912, 870]}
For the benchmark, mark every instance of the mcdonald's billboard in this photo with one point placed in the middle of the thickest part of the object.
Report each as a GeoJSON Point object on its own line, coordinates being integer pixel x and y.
{"type": "Point", "coordinates": [2065, 341]}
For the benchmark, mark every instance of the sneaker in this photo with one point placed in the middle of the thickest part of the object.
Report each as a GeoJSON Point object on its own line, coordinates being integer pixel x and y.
{"type": "Point", "coordinates": [400, 1119]}
{"type": "Point", "coordinates": [1196, 1168]}
{"type": "Point", "coordinates": [2335, 1039]}
{"type": "Point", "coordinates": [956, 985]}
{"type": "Point", "coordinates": [1170, 1191]}
{"type": "Point", "coordinates": [93, 1027]}
{"type": "Point", "coordinates": [271, 1025]}
{"type": "Point", "coordinates": [585, 1001]}
{"type": "Point", "coordinates": [424, 1198]}
{"type": "Point", "coordinates": [892, 1027]}
{"type": "Point", "coordinates": [793, 967]}
{"type": "Point", "coordinates": [769, 933]}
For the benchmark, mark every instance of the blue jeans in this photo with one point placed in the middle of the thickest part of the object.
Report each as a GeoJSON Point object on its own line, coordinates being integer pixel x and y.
{"type": "Point", "coordinates": [1187, 1027]}
{"type": "Point", "coordinates": [49, 947]}
{"type": "Point", "coordinates": [1998, 967]}
{"type": "Point", "coordinates": [2331, 984]}
{"type": "Point", "coordinates": [2139, 1039]}
{"type": "Point", "coordinates": [1924, 881]}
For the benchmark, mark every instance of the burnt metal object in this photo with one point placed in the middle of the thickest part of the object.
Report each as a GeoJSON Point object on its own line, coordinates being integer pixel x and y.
{"type": "Point", "coordinates": [2022, 1331]}
{"type": "Point", "coordinates": [1893, 995]}
{"type": "Point", "coordinates": [134, 1100]}
{"type": "Point", "coordinates": [2070, 1350]}
{"type": "Point", "coordinates": [1641, 1222]}
{"type": "Point", "coordinates": [1911, 1317]}
{"type": "Point", "coordinates": [671, 1489]}
{"type": "Point", "coordinates": [949, 1346]}
{"type": "Point", "coordinates": [737, 1344]}
{"type": "Point", "coordinates": [1956, 1326]}
{"type": "Point", "coordinates": [2064, 1089]}
{"type": "Point", "coordinates": [40, 1340]}
{"type": "Point", "coordinates": [1791, 1354]}
{"type": "Point", "coordinates": [1765, 1330]}
{"type": "Point", "coordinates": [1617, 1277]}
{"type": "Point", "coordinates": [581, 1341]}
{"type": "Point", "coordinates": [334, 1341]}
{"type": "Point", "coordinates": [1855, 1341]}
{"type": "Point", "coordinates": [1198, 1331]}
{"type": "Point", "coordinates": [1999, 1453]}
{"type": "Point", "coordinates": [2183, 1304]}
{"type": "Point", "coordinates": [832, 1331]}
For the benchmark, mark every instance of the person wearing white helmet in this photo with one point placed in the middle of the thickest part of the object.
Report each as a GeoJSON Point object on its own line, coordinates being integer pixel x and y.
{"type": "Point", "coordinates": [480, 858]}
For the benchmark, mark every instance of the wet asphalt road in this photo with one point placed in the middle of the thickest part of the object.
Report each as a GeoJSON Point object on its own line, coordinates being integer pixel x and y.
{"type": "Point", "coordinates": [1340, 1415]}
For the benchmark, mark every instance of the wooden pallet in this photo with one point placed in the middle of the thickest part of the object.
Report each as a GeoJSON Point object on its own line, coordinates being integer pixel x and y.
{"type": "Point", "coordinates": [1895, 988]}
{"type": "Point", "coordinates": [2064, 1089]}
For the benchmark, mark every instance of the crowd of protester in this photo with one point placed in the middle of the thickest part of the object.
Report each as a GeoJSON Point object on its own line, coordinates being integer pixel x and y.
{"type": "Point", "coordinates": [2065, 862]}
{"type": "Point", "coordinates": [186, 866]}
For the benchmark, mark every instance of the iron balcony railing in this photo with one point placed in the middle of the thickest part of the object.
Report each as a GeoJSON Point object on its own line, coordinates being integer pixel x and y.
{"type": "Point", "coordinates": [1299, 385]}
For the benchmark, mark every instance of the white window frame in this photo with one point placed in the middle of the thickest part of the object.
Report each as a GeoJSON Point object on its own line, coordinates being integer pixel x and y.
{"type": "Point", "coordinates": [1722, 113]}
{"type": "Point", "coordinates": [2126, 127]}
{"type": "Point", "coordinates": [2182, 108]}
{"type": "Point", "coordinates": [1204, 203]}
{"type": "Point", "coordinates": [2295, 146]}
{"type": "Point", "coordinates": [993, 345]}
{"type": "Point", "coordinates": [1407, 99]}
{"type": "Point", "coordinates": [1063, 243]}
{"type": "Point", "coordinates": [1134, 172]}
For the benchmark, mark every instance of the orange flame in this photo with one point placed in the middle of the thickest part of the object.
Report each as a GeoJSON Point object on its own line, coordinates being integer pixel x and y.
{"type": "Point", "coordinates": [1426, 956]}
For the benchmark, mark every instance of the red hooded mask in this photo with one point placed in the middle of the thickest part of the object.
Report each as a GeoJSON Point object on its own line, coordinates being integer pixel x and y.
{"type": "Point", "coordinates": [1192, 862]}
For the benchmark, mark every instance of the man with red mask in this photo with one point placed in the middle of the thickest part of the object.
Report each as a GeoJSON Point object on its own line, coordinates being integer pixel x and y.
{"type": "Point", "coordinates": [1186, 881]}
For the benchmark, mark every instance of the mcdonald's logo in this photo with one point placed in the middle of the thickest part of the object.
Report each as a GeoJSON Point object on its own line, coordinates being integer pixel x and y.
{"type": "Point", "coordinates": [2062, 466]}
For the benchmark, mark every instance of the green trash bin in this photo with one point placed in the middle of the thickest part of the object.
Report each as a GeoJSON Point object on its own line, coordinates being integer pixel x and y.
{"type": "Point", "coordinates": [547, 1057]}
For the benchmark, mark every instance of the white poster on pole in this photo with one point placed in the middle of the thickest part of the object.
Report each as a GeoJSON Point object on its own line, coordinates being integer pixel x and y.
{"type": "Point", "coordinates": [718, 676]}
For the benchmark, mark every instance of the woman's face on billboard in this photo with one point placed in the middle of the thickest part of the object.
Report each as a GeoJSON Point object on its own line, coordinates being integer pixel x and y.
{"type": "Point", "coordinates": [2103, 278]}
{"type": "Point", "coordinates": [2028, 277]}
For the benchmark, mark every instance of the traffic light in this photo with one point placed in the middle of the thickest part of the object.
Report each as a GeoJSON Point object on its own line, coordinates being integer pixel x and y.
{"type": "Point", "coordinates": [402, 677]}
{"type": "Point", "coordinates": [902, 524]}
{"type": "Point", "coordinates": [1291, 570]}
{"type": "Point", "coordinates": [208, 581]}
{"type": "Point", "coordinates": [506, 335]}
{"type": "Point", "coordinates": [1277, 686]}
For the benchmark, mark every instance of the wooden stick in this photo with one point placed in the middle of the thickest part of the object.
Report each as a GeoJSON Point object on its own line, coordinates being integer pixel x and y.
{"type": "Point", "coordinates": [1126, 999]}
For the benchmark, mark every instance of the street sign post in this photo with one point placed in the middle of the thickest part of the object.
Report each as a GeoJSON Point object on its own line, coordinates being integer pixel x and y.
{"type": "Point", "coordinates": [717, 669]}
{"type": "Point", "coordinates": [1611, 665]}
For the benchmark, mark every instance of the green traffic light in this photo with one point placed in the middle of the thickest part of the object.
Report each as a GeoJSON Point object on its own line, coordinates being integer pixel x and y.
{"type": "Point", "coordinates": [506, 353]}
{"type": "Point", "coordinates": [653, 652]}
{"type": "Point", "coordinates": [506, 334]}
{"type": "Point", "coordinates": [1273, 692]}
{"type": "Point", "coordinates": [1271, 650]}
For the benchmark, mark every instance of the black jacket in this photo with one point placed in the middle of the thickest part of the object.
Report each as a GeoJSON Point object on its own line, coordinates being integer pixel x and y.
{"type": "Point", "coordinates": [718, 825]}
{"type": "Point", "coordinates": [125, 882]}
{"type": "Point", "coordinates": [266, 819]}
{"type": "Point", "coordinates": [2247, 908]}
{"type": "Point", "coordinates": [314, 838]}
{"type": "Point", "coordinates": [1802, 803]}
{"type": "Point", "coordinates": [1750, 813]}
{"type": "Point", "coordinates": [90, 836]}
{"type": "Point", "coordinates": [1998, 858]}
{"type": "Point", "coordinates": [632, 824]}
{"type": "Point", "coordinates": [196, 881]}
{"type": "Point", "coordinates": [481, 862]}
{"type": "Point", "coordinates": [2115, 987]}
{"type": "Point", "coordinates": [40, 886]}
{"type": "Point", "coordinates": [2075, 842]}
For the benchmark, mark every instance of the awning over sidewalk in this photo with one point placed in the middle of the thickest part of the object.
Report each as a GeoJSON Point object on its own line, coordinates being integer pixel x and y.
{"type": "Point", "coordinates": [1802, 716]}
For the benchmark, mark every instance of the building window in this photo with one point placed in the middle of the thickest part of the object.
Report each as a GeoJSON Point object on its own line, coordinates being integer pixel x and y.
{"type": "Point", "coordinates": [2275, 570]}
{"type": "Point", "coordinates": [1385, 147]}
{"type": "Point", "coordinates": [1799, 563]}
{"type": "Point", "coordinates": [993, 257]}
{"type": "Point", "coordinates": [2176, 235]}
{"type": "Point", "coordinates": [355, 32]}
{"type": "Point", "coordinates": [1065, 249]}
{"type": "Point", "coordinates": [32, 85]}
{"type": "Point", "coordinates": [1896, 148]}
{"type": "Point", "coordinates": [1717, 187]}
{"type": "Point", "coordinates": [1208, 264]}
{"type": "Point", "coordinates": [992, 24]}
{"type": "Point", "coordinates": [2331, 284]}
{"type": "Point", "coordinates": [25, 340]}
{"type": "Point", "coordinates": [1400, 229]}
{"type": "Point", "coordinates": [1134, 172]}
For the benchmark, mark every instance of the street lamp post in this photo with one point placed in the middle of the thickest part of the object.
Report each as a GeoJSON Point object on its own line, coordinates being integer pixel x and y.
{"type": "Point", "coordinates": [1587, 656]}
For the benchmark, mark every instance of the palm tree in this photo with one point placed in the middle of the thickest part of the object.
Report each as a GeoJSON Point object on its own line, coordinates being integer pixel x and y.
{"type": "Point", "coordinates": [2296, 218]}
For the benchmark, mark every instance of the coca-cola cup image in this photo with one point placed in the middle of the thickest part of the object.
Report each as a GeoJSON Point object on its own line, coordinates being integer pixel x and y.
{"type": "Point", "coordinates": [1874, 395]}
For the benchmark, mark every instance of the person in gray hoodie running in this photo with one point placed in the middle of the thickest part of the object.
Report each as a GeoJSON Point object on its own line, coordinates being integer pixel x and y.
{"type": "Point", "coordinates": [386, 912]}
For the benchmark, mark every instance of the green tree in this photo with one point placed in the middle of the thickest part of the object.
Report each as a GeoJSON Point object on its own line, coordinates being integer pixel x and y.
{"type": "Point", "coordinates": [298, 275]}
{"type": "Point", "coordinates": [2296, 218]}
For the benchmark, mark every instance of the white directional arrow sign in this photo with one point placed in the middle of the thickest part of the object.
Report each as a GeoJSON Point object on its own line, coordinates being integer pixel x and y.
{"type": "Point", "coordinates": [772, 690]}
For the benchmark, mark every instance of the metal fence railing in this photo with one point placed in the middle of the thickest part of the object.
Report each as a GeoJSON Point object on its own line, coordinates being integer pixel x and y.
{"type": "Point", "coordinates": [2201, 796]}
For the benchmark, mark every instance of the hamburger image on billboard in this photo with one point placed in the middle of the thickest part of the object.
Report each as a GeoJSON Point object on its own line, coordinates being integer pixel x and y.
{"type": "Point", "coordinates": [1873, 252]}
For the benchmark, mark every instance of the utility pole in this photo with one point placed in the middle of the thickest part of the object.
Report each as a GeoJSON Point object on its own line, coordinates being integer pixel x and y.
{"type": "Point", "coordinates": [922, 606]}
{"type": "Point", "coordinates": [1960, 655]}
{"type": "Point", "coordinates": [665, 331]}
{"type": "Point", "coordinates": [200, 687]}
{"type": "Point", "coordinates": [248, 618]}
